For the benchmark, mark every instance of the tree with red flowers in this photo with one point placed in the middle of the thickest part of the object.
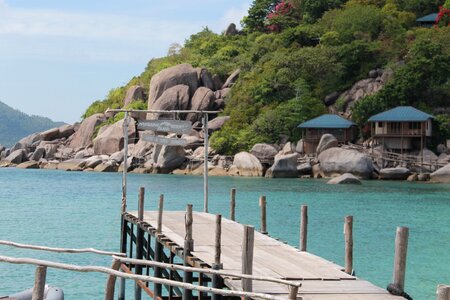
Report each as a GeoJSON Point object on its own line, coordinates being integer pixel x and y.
{"type": "Point", "coordinates": [443, 18]}
{"type": "Point", "coordinates": [285, 14]}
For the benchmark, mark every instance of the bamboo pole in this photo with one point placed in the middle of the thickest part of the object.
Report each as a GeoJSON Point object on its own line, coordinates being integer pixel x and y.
{"type": "Point", "coordinates": [401, 249]}
{"type": "Point", "coordinates": [139, 243]}
{"type": "Point", "coordinates": [233, 204]}
{"type": "Point", "coordinates": [247, 256]}
{"type": "Point", "coordinates": [262, 205]}
{"type": "Point", "coordinates": [348, 233]}
{"type": "Point", "coordinates": [188, 247]}
{"type": "Point", "coordinates": [104, 270]}
{"type": "Point", "coordinates": [303, 227]}
{"type": "Point", "coordinates": [443, 292]}
{"type": "Point", "coordinates": [39, 283]}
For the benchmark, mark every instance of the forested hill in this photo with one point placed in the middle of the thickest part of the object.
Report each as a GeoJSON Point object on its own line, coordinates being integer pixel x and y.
{"type": "Point", "coordinates": [15, 124]}
{"type": "Point", "coordinates": [301, 58]}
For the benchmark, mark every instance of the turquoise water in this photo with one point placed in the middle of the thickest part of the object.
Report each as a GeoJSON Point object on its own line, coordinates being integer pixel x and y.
{"type": "Point", "coordinates": [80, 210]}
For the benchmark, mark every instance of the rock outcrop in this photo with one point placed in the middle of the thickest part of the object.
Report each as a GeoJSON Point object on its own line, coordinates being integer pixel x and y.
{"type": "Point", "coordinates": [346, 178]}
{"type": "Point", "coordinates": [112, 140]}
{"type": "Point", "coordinates": [338, 161]}
{"type": "Point", "coordinates": [394, 173]}
{"type": "Point", "coordinates": [285, 166]}
{"type": "Point", "coordinates": [327, 141]}
{"type": "Point", "coordinates": [174, 98]}
{"type": "Point", "coordinates": [83, 136]}
{"type": "Point", "coordinates": [246, 164]}
{"type": "Point", "coordinates": [168, 158]}
{"type": "Point", "coordinates": [264, 151]}
{"type": "Point", "coordinates": [203, 99]}
{"type": "Point", "coordinates": [442, 175]}
{"type": "Point", "coordinates": [17, 156]}
{"type": "Point", "coordinates": [231, 80]}
{"type": "Point", "coordinates": [134, 92]}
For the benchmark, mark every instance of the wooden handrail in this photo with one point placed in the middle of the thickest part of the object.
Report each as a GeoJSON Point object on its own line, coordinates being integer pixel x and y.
{"type": "Point", "coordinates": [59, 250]}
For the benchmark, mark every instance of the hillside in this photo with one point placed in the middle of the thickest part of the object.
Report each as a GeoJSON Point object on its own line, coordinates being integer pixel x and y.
{"type": "Point", "coordinates": [15, 124]}
{"type": "Point", "coordinates": [302, 58]}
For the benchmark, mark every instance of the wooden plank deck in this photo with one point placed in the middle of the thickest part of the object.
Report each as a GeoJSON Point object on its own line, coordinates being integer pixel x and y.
{"type": "Point", "coordinates": [321, 279]}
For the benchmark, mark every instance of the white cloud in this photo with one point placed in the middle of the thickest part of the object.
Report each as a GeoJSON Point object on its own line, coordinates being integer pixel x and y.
{"type": "Point", "coordinates": [233, 15]}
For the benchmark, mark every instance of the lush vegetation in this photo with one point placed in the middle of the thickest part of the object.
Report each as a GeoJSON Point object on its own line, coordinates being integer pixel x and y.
{"type": "Point", "coordinates": [15, 125]}
{"type": "Point", "coordinates": [294, 53]}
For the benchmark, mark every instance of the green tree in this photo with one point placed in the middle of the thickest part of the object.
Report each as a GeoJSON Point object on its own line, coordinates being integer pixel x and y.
{"type": "Point", "coordinates": [257, 14]}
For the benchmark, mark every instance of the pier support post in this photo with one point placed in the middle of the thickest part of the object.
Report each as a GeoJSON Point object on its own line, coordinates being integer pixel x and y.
{"type": "Point", "coordinates": [247, 256]}
{"type": "Point", "coordinates": [123, 249]}
{"type": "Point", "coordinates": [303, 227]}
{"type": "Point", "coordinates": [188, 248]}
{"type": "Point", "coordinates": [232, 204]}
{"type": "Point", "coordinates": [401, 249]}
{"type": "Point", "coordinates": [39, 283]}
{"type": "Point", "coordinates": [262, 205]}
{"type": "Point", "coordinates": [158, 248]}
{"type": "Point", "coordinates": [111, 281]}
{"type": "Point", "coordinates": [139, 242]}
{"type": "Point", "coordinates": [216, 279]}
{"type": "Point", "coordinates": [348, 234]}
{"type": "Point", "coordinates": [443, 292]}
{"type": "Point", "coordinates": [293, 290]}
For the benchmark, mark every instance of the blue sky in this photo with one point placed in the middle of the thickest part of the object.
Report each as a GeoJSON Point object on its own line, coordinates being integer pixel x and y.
{"type": "Point", "coordinates": [57, 57]}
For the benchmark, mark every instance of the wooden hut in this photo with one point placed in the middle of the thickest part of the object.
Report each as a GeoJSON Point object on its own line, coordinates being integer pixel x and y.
{"type": "Point", "coordinates": [402, 128]}
{"type": "Point", "coordinates": [427, 21]}
{"type": "Point", "coordinates": [312, 130]}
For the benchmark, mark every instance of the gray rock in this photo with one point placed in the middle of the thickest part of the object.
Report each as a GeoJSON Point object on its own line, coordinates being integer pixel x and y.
{"type": "Point", "coordinates": [206, 79]}
{"type": "Point", "coordinates": [232, 79]}
{"type": "Point", "coordinates": [373, 74]}
{"type": "Point", "coordinates": [423, 177]}
{"type": "Point", "coordinates": [83, 136]}
{"type": "Point", "coordinates": [346, 178]}
{"type": "Point", "coordinates": [218, 104]}
{"type": "Point", "coordinates": [28, 165]}
{"type": "Point", "coordinates": [2, 148]}
{"type": "Point", "coordinates": [217, 82]}
{"type": "Point", "coordinates": [141, 149]}
{"type": "Point", "coordinates": [94, 161]}
{"type": "Point", "coordinates": [173, 98]}
{"type": "Point", "coordinates": [50, 135]}
{"type": "Point", "coordinates": [398, 173]}
{"type": "Point", "coordinates": [299, 147]}
{"type": "Point", "coordinates": [71, 165]}
{"type": "Point", "coordinates": [285, 166]}
{"type": "Point", "coordinates": [50, 149]}
{"type": "Point", "coordinates": [66, 130]}
{"type": "Point", "coordinates": [360, 90]}
{"type": "Point", "coordinates": [340, 161]}
{"type": "Point", "coordinates": [118, 157]}
{"type": "Point", "coordinates": [246, 164]}
{"type": "Point", "coordinates": [203, 99]}
{"type": "Point", "coordinates": [183, 74]}
{"type": "Point", "coordinates": [112, 139]}
{"type": "Point", "coordinates": [217, 123]}
{"type": "Point", "coordinates": [221, 94]}
{"type": "Point", "coordinates": [17, 157]}
{"type": "Point", "coordinates": [331, 98]}
{"type": "Point", "coordinates": [27, 141]}
{"type": "Point", "coordinates": [231, 30]}
{"type": "Point", "coordinates": [413, 177]}
{"type": "Point", "coordinates": [134, 93]}
{"type": "Point", "coordinates": [327, 141]}
{"type": "Point", "coordinates": [304, 169]}
{"type": "Point", "coordinates": [106, 167]}
{"type": "Point", "coordinates": [264, 151]}
{"type": "Point", "coordinates": [38, 154]}
{"type": "Point", "coordinates": [442, 175]}
{"type": "Point", "coordinates": [387, 75]}
{"type": "Point", "coordinates": [441, 148]}
{"type": "Point", "coordinates": [169, 158]}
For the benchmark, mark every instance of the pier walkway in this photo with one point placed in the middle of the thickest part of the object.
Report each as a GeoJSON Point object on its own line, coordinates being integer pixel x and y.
{"type": "Point", "coordinates": [321, 279]}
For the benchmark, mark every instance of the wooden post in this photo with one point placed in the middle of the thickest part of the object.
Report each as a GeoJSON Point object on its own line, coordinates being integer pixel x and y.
{"type": "Point", "coordinates": [293, 290]}
{"type": "Point", "coordinates": [216, 279]}
{"type": "Point", "coordinates": [188, 247]}
{"type": "Point", "coordinates": [443, 292]}
{"type": "Point", "coordinates": [262, 205]}
{"type": "Point", "coordinates": [123, 249]}
{"type": "Point", "coordinates": [111, 281]}
{"type": "Point", "coordinates": [158, 248]}
{"type": "Point", "coordinates": [247, 256]}
{"type": "Point", "coordinates": [233, 205]}
{"type": "Point", "coordinates": [205, 164]}
{"type": "Point", "coordinates": [39, 283]}
{"type": "Point", "coordinates": [348, 234]}
{"type": "Point", "coordinates": [303, 227]}
{"type": "Point", "coordinates": [139, 242]}
{"type": "Point", "coordinates": [401, 249]}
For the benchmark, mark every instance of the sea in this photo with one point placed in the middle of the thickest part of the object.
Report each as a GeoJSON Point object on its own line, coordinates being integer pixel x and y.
{"type": "Point", "coordinates": [82, 209]}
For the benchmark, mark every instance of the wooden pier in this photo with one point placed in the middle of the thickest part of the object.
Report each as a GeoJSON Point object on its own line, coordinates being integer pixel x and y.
{"type": "Point", "coordinates": [319, 278]}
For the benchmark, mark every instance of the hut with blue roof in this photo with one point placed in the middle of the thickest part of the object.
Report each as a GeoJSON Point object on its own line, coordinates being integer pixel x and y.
{"type": "Point", "coordinates": [427, 21]}
{"type": "Point", "coordinates": [402, 128]}
{"type": "Point", "coordinates": [312, 130]}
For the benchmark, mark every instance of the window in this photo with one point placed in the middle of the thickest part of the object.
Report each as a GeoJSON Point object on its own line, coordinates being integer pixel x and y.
{"type": "Point", "coordinates": [380, 124]}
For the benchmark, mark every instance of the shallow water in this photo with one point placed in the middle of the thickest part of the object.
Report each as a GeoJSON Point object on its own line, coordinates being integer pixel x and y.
{"type": "Point", "coordinates": [78, 210]}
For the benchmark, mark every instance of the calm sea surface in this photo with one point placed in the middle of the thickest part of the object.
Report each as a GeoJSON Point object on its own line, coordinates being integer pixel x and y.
{"type": "Point", "coordinates": [78, 210]}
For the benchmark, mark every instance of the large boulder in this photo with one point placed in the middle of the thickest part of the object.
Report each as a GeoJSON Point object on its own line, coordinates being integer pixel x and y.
{"type": "Point", "coordinates": [112, 139]}
{"type": "Point", "coordinates": [203, 99]}
{"type": "Point", "coordinates": [134, 92]}
{"type": "Point", "coordinates": [38, 154]}
{"type": "Point", "coordinates": [28, 165]}
{"type": "Point", "coordinates": [174, 98]}
{"type": "Point", "coordinates": [327, 141]}
{"type": "Point", "coordinates": [141, 149]}
{"type": "Point", "coordinates": [246, 164]}
{"type": "Point", "coordinates": [83, 136]}
{"type": "Point", "coordinates": [231, 80]}
{"type": "Point", "coordinates": [304, 169]}
{"type": "Point", "coordinates": [66, 130]}
{"type": "Point", "coordinates": [17, 156]}
{"type": "Point", "coordinates": [50, 135]}
{"type": "Point", "coordinates": [360, 90]}
{"type": "Point", "coordinates": [205, 78]}
{"type": "Point", "coordinates": [106, 167]}
{"type": "Point", "coordinates": [442, 175]}
{"type": "Point", "coordinates": [94, 161]}
{"type": "Point", "coordinates": [221, 94]}
{"type": "Point", "coordinates": [168, 158]}
{"type": "Point", "coordinates": [27, 141]}
{"type": "Point", "coordinates": [395, 173]}
{"type": "Point", "coordinates": [264, 151]}
{"type": "Point", "coordinates": [340, 161]}
{"type": "Point", "coordinates": [285, 166]}
{"type": "Point", "coordinates": [71, 165]}
{"type": "Point", "coordinates": [183, 74]}
{"type": "Point", "coordinates": [346, 178]}
{"type": "Point", "coordinates": [217, 123]}
{"type": "Point", "coordinates": [231, 30]}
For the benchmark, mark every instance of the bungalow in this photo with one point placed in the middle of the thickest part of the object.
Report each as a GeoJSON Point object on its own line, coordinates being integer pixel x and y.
{"type": "Point", "coordinates": [312, 130]}
{"type": "Point", "coordinates": [427, 21]}
{"type": "Point", "coordinates": [401, 128]}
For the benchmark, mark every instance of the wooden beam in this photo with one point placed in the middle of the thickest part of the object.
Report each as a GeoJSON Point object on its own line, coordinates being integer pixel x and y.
{"type": "Point", "coordinates": [401, 249]}
{"type": "Point", "coordinates": [303, 227]}
{"type": "Point", "coordinates": [262, 205]}
{"type": "Point", "coordinates": [39, 283]}
{"type": "Point", "coordinates": [247, 256]}
{"type": "Point", "coordinates": [233, 204]}
{"type": "Point", "coordinates": [348, 233]}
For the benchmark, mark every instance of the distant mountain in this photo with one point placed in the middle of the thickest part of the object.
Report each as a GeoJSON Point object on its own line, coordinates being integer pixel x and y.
{"type": "Point", "coordinates": [15, 124]}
